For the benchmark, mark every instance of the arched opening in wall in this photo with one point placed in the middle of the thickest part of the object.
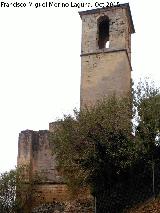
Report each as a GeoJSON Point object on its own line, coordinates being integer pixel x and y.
{"type": "Point", "coordinates": [103, 32]}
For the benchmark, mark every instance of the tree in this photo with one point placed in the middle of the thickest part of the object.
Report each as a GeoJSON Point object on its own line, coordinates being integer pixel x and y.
{"type": "Point", "coordinates": [94, 147]}
{"type": "Point", "coordinates": [8, 192]}
{"type": "Point", "coordinates": [99, 147]}
{"type": "Point", "coordinates": [147, 105]}
{"type": "Point", "coordinates": [15, 192]}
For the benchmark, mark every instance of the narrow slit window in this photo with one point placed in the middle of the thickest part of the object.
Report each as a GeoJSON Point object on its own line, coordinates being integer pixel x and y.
{"type": "Point", "coordinates": [103, 32]}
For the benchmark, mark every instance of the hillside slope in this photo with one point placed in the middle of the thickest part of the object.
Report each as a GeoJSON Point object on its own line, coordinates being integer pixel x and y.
{"type": "Point", "coordinates": [152, 206]}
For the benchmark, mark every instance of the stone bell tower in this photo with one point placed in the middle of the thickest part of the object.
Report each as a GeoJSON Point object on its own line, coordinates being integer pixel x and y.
{"type": "Point", "coordinates": [105, 52]}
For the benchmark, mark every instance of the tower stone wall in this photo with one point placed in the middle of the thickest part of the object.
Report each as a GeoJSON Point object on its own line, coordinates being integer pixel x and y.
{"type": "Point", "coordinates": [105, 71]}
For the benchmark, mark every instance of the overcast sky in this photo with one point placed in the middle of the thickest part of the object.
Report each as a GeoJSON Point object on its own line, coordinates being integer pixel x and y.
{"type": "Point", "coordinates": [40, 64]}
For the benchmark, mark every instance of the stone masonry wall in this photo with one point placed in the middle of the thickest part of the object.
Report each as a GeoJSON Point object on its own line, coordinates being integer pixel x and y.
{"type": "Point", "coordinates": [108, 70]}
{"type": "Point", "coordinates": [35, 152]}
{"type": "Point", "coordinates": [104, 76]}
{"type": "Point", "coordinates": [119, 30]}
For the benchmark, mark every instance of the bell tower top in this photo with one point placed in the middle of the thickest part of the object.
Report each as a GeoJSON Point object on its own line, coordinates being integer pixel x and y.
{"type": "Point", "coordinates": [99, 10]}
{"type": "Point", "coordinates": [106, 29]}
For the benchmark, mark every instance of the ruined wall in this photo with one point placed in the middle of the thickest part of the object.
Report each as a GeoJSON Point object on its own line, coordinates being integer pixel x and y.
{"type": "Point", "coordinates": [43, 161]}
{"type": "Point", "coordinates": [72, 206]}
{"type": "Point", "coordinates": [35, 151]}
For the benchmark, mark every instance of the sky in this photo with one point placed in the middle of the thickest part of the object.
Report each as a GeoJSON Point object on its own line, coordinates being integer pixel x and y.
{"type": "Point", "coordinates": [40, 63]}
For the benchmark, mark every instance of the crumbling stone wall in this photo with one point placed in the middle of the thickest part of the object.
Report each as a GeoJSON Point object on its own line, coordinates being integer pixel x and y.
{"type": "Point", "coordinates": [35, 151]}
{"type": "Point", "coordinates": [78, 206]}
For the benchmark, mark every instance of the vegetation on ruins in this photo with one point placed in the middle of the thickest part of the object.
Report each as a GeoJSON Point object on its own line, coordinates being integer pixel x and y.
{"type": "Point", "coordinates": [113, 148]}
{"type": "Point", "coordinates": [93, 136]}
{"type": "Point", "coordinates": [99, 147]}
{"type": "Point", "coordinates": [16, 195]}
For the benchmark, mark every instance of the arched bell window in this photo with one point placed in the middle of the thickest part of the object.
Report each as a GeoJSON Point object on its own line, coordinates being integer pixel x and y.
{"type": "Point", "coordinates": [103, 32]}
